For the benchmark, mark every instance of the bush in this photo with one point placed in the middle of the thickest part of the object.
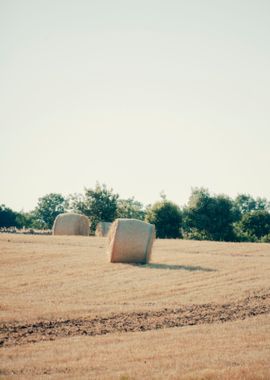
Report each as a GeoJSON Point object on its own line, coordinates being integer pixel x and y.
{"type": "Point", "coordinates": [265, 238]}
{"type": "Point", "coordinates": [243, 236]}
{"type": "Point", "coordinates": [130, 208]}
{"type": "Point", "coordinates": [167, 218]}
{"type": "Point", "coordinates": [209, 217]}
{"type": "Point", "coordinates": [255, 223]}
{"type": "Point", "coordinates": [195, 234]}
{"type": "Point", "coordinates": [98, 204]}
{"type": "Point", "coordinates": [47, 210]}
{"type": "Point", "coordinates": [7, 217]}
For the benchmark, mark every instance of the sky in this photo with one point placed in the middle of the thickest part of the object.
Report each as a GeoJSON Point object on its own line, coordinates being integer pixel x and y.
{"type": "Point", "coordinates": [143, 96]}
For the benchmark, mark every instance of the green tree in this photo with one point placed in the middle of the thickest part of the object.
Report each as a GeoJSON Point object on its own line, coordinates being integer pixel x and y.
{"type": "Point", "coordinates": [256, 224]}
{"type": "Point", "coordinates": [8, 217]}
{"type": "Point", "coordinates": [167, 218]}
{"type": "Point", "coordinates": [245, 203]}
{"type": "Point", "coordinates": [130, 208]}
{"type": "Point", "coordinates": [47, 209]}
{"type": "Point", "coordinates": [98, 204]}
{"type": "Point", "coordinates": [209, 217]}
{"type": "Point", "coordinates": [26, 219]}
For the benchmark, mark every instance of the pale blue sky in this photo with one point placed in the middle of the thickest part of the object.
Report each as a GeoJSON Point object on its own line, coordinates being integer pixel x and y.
{"type": "Point", "coordinates": [143, 96]}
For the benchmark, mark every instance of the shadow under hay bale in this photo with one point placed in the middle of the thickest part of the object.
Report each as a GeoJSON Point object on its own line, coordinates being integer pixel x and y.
{"type": "Point", "coordinates": [130, 241]}
{"type": "Point", "coordinates": [71, 224]}
{"type": "Point", "coordinates": [102, 229]}
{"type": "Point", "coordinates": [190, 268]}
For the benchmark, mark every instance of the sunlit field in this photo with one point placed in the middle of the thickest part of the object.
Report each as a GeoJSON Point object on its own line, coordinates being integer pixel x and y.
{"type": "Point", "coordinates": [199, 310]}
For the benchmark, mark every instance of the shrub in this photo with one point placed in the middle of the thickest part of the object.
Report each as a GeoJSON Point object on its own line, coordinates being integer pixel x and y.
{"type": "Point", "coordinates": [209, 217]}
{"type": "Point", "coordinates": [265, 238]}
{"type": "Point", "coordinates": [167, 218]}
{"type": "Point", "coordinates": [98, 204]}
{"type": "Point", "coordinates": [256, 223]}
{"type": "Point", "coordinates": [195, 234]}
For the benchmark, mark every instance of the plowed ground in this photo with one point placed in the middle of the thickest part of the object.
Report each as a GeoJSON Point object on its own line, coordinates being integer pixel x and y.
{"type": "Point", "coordinates": [189, 315]}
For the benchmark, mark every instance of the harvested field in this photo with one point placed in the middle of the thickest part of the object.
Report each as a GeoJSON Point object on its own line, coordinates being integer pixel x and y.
{"type": "Point", "coordinates": [189, 315]}
{"type": "Point", "coordinates": [66, 312]}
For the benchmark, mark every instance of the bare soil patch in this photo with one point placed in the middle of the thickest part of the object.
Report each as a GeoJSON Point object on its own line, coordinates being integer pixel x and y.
{"type": "Point", "coordinates": [187, 315]}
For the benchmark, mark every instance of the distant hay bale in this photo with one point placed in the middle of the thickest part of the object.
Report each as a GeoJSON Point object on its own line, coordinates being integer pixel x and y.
{"type": "Point", "coordinates": [71, 224]}
{"type": "Point", "coordinates": [130, 241]}
{"type": "Point", "coordinates": [102, 228]}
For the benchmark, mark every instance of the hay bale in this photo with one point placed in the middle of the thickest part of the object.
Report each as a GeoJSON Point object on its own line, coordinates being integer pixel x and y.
{"type": "Point", "coordinates": [130, 241]}
{"type": "Point", "coordinates": [71, 224]}
{"type": "Point", "coordinates": [102, 229]}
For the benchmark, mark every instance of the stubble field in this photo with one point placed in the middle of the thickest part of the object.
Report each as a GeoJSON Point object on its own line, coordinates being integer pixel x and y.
{"type": "Point", "coordinates": [200, 310]}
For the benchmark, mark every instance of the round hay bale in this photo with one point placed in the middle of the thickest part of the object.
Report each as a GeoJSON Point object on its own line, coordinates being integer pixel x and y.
{"type": "Point", "coordinates": [102, 229]}
{"type": "Point", "coordinates": [130, 241]}
{"type": "Point", "coordinates": [71, 224]}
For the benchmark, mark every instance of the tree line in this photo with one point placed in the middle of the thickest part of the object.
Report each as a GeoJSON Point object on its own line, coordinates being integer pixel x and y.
{"type": "Point", "coordinates": [204, 217]}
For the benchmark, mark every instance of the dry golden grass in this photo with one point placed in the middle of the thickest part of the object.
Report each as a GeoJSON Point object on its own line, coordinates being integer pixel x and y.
{"type": "Point", "coordinates": [234, 350]}
{"type": "Point", "coordinates": [51, 277]}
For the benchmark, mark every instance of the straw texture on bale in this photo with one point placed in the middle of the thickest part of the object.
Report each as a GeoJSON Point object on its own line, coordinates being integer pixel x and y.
{"type": "Point", "coordinates": [130, 241]}
{"type": "Point", "coordinates": [102, 228]}
{"type": "Point", "coordinates": [71, 224]}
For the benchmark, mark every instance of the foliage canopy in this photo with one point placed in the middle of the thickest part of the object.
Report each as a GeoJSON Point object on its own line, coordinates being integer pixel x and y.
{"type": "Point", "coordinates": [47, 209]}
{"type": "Point", "coordinates": [205, 217]}
{"type": "Point", "coordinates": [98, 204]}
{"type": "Point", "coordinates": [167, 218]}
{"type": "Point", "coordinates": [130, 208]}
{"type": "Point", "coordinates": [209, 217]}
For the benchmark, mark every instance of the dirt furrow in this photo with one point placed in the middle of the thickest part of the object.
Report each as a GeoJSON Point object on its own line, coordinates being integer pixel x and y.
{"type": "Point", "coordinates": [187, 315]}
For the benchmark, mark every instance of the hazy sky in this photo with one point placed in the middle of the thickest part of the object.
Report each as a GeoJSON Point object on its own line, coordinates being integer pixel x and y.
{"type": "Point", "coordinates": [143, 96]}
